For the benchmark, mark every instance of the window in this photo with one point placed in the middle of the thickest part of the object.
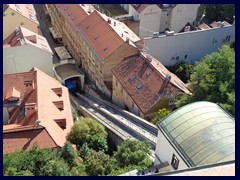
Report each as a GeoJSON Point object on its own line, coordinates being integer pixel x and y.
{"type": "Point", "coordinates": [175, 162]}
{"type": "Point", "coordinates": [139, 86]}
{"type": "Point", "coordinates": [186, 56]}
{"type": "Point", "coordinates": [177, 58]}
{"type": "Point", "coordinates": [167, 14]}
{"type": "Point", "coordinates": [132, 78]}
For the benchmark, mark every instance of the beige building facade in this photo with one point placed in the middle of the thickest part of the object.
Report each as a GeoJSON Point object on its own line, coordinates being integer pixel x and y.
{"type": "Point", "coordinates": [15, 15]}
{"type": "Point", "coordinates": [97, 42]}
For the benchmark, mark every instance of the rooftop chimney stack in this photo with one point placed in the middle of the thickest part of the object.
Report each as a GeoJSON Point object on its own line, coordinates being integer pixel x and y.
{"type": "Point", "coordinates": [30, 108]}
{"type": "Point", "coordinates": [29, 85]}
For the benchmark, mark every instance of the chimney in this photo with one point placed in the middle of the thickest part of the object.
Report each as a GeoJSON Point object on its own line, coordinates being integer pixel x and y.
{"type": "Point", "coordinates": [127, 39]}
{"type": "Point", "coordinates": [114, 23]}
{"type": "Point", "coordinates": [29, 85]}
{"type": "Point", "coordinates": [109, 20]}
{"type": "Point", "coordinates": [122, 34]}
{"type": "Point", "coordinates": [30, 108]}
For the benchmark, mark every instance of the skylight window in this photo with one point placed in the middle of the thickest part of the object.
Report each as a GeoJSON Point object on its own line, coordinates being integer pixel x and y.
{"type": "Point", "coordinates": [139, 86]}
{"type": "Point", "coordinates": [133, 77]}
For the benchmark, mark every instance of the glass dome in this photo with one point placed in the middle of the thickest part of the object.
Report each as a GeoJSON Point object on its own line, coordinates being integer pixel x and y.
{"type": "Point", "coordinates": [202, 132]}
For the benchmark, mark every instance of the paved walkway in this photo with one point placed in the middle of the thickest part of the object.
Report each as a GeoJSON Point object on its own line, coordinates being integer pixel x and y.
{"type": "Point", "coordinates": [44, 24]}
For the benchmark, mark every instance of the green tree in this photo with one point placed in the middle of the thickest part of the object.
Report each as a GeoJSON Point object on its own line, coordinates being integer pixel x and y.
{"type": "Point", "coordinates": [54, 167]}
{"type": "Point", "coordinates": [70, 155]}
{"type": "Point", "coordinates": [98, 143]}
{"type": "Point", "coordinates": [220, 12]}
{"type": "Point", "coordinates": [213, 79]}
{"type": "Point", "coordinates": [182, 69]}
{"type": "Point", "coordinates": [98, 163]}
{"type": "Point", "coordinates": [123, 170]}
{"type": "Point", "coordinates": [78, 170]}
{"type": "Point", "coordinates": [84, 151]}
{"type": "Point", "coordinates": [11, 171]}
{"type": "Point", "coordinates": [133, 152]}
{"type": "Point", "coordinates": [160, 114]}
{"type": "Point", "coordinates": [83, 130]}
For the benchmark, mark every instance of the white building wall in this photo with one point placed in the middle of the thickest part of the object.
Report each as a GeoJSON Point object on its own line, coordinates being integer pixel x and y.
{"type": "Point", "coordinates": [181, 15]}
{"type": "Point", "coordinates": [165, 151]}
{"type": "Point", "coordinates": [25, 58]}
{"type": "Point", "coordinates": [164, 20]}
{"type": "Point", "coordinates": [194, 45]}
{"type": "Point", "coordinates": [134, 13]}
{"type": "Point", "coordinates": [149, 21]}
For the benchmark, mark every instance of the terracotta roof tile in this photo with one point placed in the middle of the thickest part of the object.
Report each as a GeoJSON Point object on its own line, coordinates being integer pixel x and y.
{"type": "Point", "coordinates": [203, 26]}
{"type": "Point", "coordinates": [24, 140]}
{"type": "Point", "coordinates": [215, 24]}
{"type": "Point", "coordinates": [73, 12]}
{"type": "Point", "coordinates": [23, 36]}
{"type": "Point", "coordinates": [146, 81]}
{"type": "Point", "coordinates": [100, 35]}
{"type": "Point", "coordinates": [37, 100]}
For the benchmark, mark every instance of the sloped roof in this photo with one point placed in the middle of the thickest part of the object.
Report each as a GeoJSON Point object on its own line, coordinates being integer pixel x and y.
{"type": "Point", "coordinates": [139, 7]}
{"type": "Point", "coordinates": [74, 13]}
{"type": "Point", "coordinates": [23, 36]}
{"type": "Point", "coordinates": [146, 81]}
{"type": "Point", "coordinates": [43, 96]}
{"type": "Point", "coordinates": [202, 132]}
{"type": "Point", "coordinates": [100, 35]}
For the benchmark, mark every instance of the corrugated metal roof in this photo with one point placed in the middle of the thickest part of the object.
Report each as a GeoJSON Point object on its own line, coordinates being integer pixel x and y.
{"type": "Point", "coordinates": [202, 132]}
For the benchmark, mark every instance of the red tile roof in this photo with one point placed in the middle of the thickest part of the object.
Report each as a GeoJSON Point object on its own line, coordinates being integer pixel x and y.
{"type": "Point", "coordinates": [215, 24]}
{"type": "Point", "coordinates": [73, 12]}
{"type": "Point", "coordinates": [24, 139]}
{"type": "Point", "coordinates": [36, 103]}
{"type": "Point", "coordinates": [146, 81]}
{"type": "Point", "coordinates": [203, 26]}
{"type": "Point", "coordinates": [100, 35]}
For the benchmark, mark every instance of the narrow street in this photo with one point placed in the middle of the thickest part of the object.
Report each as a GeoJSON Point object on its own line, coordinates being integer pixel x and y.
{"type": "Point", "coordinates": [44, 24]}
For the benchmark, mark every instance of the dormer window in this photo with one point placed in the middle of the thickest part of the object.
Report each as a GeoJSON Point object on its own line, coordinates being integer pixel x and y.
{"type": "Point", "coordinates": [57, 91]}
{"type": "Point", "coordinates": [59, 105]}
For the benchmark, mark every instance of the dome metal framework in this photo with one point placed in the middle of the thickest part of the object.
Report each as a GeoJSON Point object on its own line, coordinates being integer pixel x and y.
{"type": "Point", "coordinates": [202, 132]}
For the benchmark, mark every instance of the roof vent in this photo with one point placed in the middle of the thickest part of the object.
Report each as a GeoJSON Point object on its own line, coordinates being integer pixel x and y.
{"type": "Point", "coordinates": [109, 20]}
{"type": "Point", "coordinates": [127, 39]}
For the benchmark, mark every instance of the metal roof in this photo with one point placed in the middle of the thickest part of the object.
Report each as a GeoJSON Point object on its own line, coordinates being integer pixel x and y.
{"type": "Point", "coordinates": [67, 71]}
{"type": "Point", "coordinates": [202, 132]}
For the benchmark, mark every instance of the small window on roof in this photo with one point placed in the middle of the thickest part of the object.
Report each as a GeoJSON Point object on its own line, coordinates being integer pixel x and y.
{"type": "Point", "coordinates": [132, 78]}
{"type": "Point", "coordinates": [105, 48]}
{"type": "Point", "coordinates": [139, 86]}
